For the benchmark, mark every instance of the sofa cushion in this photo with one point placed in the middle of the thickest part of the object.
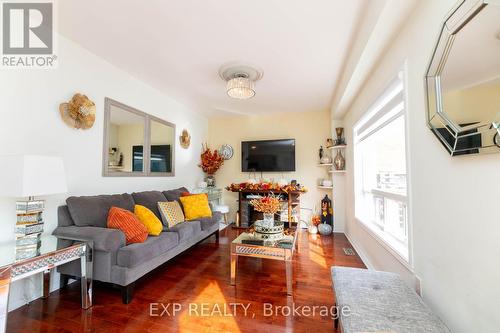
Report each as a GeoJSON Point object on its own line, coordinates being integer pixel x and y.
{"type": "Point", "coordinates": [149, 219]}
{"type": "Point", "coordinates": [171, 213]}
{"type": "Point", "coordinates": [128, 223]}
{"type": "Point", "coordinates": [93, 210]}
{"type": "Point", "coordinates": [195, 207]}
{"type": "Point", "coordinates": [186, 230]}
{"type": "Point", "coordinates": [136, 254]}
{"type": "Point", "coordinates": [149, 199]}
{"type": "Point", "coordinates": [208, 222]}
{"type": "Point", "coordinates": [174, 195]}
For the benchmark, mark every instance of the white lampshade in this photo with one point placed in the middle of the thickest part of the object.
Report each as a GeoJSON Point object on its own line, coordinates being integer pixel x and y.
{"type": "Point", "coordinates": [31, 175]}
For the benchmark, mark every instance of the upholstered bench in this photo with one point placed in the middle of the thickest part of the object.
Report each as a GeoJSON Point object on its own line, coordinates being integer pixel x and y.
{"type": "Point", "coordinates": [380, 302]}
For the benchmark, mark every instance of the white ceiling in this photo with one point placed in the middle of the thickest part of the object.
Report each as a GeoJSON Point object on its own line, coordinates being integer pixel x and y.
{"type": "Point", "coordinates": [178, 47]}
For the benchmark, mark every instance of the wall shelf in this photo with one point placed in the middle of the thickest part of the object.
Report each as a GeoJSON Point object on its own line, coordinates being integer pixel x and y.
{"type": "Point", "coordinates": [337, 171]}
{"type": "Point", "coordinates": [325, 164]}
{"type": "Point", "coordinates": [338, 147]}
{"type": "Point", "coordinates": [325, 187]}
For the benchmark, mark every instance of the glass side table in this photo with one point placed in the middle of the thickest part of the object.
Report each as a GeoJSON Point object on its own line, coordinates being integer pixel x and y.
{"type": "Point", "coordinates": [214, 194]}
{"type": "Point", "coordinates": [14, 267]}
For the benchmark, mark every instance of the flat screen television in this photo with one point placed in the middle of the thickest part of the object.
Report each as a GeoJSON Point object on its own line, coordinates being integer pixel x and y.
{"type": "Point", "coordinates": [268, 155]}
{"type": "Point", "coordinates": [160, 158]}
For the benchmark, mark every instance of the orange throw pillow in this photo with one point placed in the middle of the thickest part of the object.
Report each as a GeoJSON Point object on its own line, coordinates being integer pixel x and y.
{"type": "Point", "coordinates": [128, 223]}
{"type": "Point", "coordinates": [187, 194]}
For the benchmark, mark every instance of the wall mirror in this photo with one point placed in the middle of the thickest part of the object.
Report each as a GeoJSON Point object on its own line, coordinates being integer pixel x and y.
{"type": "Point", "coordinates": [136, 143]}
{"type": "Point", "coordinates": [463, 80]}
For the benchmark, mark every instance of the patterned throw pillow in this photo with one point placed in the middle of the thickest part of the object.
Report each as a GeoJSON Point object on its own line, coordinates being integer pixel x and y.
{"type": "Point", "coordinates": [171, 213]}
{"type": "Point", "coordinates": [149, 219]}
{"type": "Point", "coordinates": [196, 206]}
{"type": "Point", "coordinates": [128, 223]}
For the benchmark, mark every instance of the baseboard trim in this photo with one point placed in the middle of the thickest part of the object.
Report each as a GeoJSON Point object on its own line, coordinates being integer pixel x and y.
{"type": "Point", "coordinates": [360, 253]}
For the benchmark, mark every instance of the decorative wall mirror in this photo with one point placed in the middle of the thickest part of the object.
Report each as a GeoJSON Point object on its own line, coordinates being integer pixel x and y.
{"type": "Point", "coordinates": [463, 80]}
{"type": "Point", "coordinates": [136, 143]}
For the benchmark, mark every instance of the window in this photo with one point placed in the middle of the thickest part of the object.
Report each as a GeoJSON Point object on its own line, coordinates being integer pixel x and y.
{"type": "Point", "coordinates": [381, 202]}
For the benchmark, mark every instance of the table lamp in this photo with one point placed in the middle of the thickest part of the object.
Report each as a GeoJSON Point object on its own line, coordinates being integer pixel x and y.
{"type": "Point", "coordinates": [29, 176]}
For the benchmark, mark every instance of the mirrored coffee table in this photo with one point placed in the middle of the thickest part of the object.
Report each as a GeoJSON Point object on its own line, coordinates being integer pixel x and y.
{"type": "Point", "coordinates": [49, 252]}
{"type": "Point", "coordinates": [249, 245]}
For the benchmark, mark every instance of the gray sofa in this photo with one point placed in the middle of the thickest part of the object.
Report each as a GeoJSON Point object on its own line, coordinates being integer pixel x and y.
{"type": "Point", "coordinates": [114, 261]}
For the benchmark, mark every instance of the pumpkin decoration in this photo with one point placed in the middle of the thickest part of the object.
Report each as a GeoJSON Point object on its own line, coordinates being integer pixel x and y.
{"type": "Point", "coordinates": [79, 112]}
{"type": "Point", "coordinates": [185, 139]}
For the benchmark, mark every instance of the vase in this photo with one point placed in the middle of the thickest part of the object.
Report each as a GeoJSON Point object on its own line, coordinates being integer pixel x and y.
{"type": "Point", "coordinates": [268, 219]}
{"type": "Point", "coordinates": [325, 229]}
{"type": "Point", "coordinates": [210, 180]}
{"type": "Point", "coordinates": [340, 136]}
{"type": "Point", "coordinates": [339, 161]}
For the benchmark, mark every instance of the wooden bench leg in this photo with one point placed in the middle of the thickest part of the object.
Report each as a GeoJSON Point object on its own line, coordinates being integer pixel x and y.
{"type": "Point", "coordinates": [217, 236]}
{"type": "Point", "coordinates": [336, 320]}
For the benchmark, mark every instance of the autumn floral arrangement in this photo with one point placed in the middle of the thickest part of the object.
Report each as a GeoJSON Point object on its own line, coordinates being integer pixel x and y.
{"type": "Point", "coordinates": [265, 186]}
{"type": "Point", "coordinates": [211, 160]}
{"type": "Point", "coordinates": [269, 204]}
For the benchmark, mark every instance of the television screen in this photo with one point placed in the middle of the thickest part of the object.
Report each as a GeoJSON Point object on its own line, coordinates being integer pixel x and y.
{"type": "Point", "coordinates": [160, 158]}
{"type": "Point", "coordinates": [268, 155]}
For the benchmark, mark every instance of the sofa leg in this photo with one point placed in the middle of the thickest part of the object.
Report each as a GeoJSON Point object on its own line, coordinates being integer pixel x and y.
{"type": "Point", "coordinates": [217, 236]}
{"type": "Point", "coordinates": [127, 293]}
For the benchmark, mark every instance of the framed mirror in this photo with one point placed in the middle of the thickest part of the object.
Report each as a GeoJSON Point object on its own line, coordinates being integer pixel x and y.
{"type": "Point", "coordinates": [463, 80]}
{"type": "Point", "coordinates": [136, 144]}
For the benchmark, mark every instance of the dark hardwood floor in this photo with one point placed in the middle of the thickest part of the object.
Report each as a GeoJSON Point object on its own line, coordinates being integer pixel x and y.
{"type": "Point", "coordinates": [198, 283]}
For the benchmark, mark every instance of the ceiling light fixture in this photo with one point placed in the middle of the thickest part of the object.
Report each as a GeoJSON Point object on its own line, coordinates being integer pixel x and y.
{"type": "Point", "coordinates": [240, 87]}
{"type": "Point", "coordinates": [240, 80]}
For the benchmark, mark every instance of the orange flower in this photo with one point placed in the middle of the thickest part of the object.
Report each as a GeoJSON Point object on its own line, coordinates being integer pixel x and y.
{"type": "Point", "coordinates": [211, 161]}
{"type": "Point", "coordinates": [269, 204]}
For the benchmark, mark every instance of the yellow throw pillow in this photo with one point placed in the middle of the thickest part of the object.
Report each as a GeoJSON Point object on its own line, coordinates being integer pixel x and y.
{"type": "Point", "coordinates": [171, 213]}
{"type": "Point", "coordinates": [196, 206]}
{"type": "Point", "coordinates": [149, 219]}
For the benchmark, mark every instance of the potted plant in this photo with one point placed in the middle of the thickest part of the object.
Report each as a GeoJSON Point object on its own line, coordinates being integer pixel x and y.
{"type": "Point", "coordinates": [211, 161]}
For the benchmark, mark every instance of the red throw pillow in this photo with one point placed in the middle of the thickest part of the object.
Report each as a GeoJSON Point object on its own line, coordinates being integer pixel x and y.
{"type": "Point", "coordinates": [128, 223]}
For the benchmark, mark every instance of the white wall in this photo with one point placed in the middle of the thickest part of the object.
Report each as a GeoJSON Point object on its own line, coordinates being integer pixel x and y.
{"type": "Point", "coordinates": [30, 124]}
{"type": "Point", "coordinates": [310, 131]}
{"type": "Point", "coordinates": [453, 200]}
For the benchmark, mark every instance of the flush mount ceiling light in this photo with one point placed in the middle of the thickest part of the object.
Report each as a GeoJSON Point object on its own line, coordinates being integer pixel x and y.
{"type": "Point", "coordinates": [240, 80]}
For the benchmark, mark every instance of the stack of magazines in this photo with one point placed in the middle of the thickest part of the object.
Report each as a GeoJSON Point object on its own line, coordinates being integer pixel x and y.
{"type": "Point", "coordinates": [29, 228]}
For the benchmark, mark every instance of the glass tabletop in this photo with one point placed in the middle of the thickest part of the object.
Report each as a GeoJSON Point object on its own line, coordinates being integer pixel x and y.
{"type": "Point", "coordinates": [209, 190]}
{"type": "Point", "coordinates": [251, 238]}
{"type": "Point", "coordinates": [14, 251]}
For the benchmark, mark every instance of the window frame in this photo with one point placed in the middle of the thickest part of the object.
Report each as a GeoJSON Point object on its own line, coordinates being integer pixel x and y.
{"type": "Point", "coordinates": [376, 111]}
